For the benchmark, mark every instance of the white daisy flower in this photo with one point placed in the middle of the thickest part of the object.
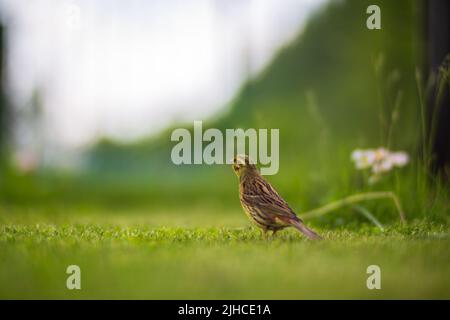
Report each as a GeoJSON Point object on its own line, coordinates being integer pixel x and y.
{"type": "Point", "coordinates": [378, 160]}
{"type": "Point", "coordinates": [399, 159]}
{"type": "Point", "coordinates": [383, 165]}
{"type": "Point", "coordinates": [363, 158]}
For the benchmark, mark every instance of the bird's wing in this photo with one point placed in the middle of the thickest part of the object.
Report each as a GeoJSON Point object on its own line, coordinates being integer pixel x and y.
{"type": "Point", "coordinates": [269, 206]}
{"type": "Point", "coordinates": [266, 198]}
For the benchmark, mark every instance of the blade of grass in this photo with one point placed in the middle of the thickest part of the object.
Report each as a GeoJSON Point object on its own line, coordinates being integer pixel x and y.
{"type": "Point", "coordinates": [422, 117]}
{"type": "Point", "coordinates": [369, 216]}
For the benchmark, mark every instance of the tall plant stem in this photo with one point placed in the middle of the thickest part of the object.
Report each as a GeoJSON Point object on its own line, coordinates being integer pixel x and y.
{"type": "Point", "coordinates": [359, 197]}
{"type": "Point", "coordinates": [422, 118]}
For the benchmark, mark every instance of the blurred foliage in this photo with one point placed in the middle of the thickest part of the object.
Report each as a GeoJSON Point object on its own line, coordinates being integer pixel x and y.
{"type": "Point", "coordinates": [332, 90]}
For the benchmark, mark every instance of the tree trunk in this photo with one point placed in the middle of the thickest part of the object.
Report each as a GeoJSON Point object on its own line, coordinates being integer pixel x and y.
{"type": "Point", "coordinates": [438, 47]}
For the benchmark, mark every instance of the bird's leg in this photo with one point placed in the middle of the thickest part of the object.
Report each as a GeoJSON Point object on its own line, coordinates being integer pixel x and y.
{"type": "Point", "coordinates": [264, 233]}
{"type": "Point", "coordinates": [274, 231]}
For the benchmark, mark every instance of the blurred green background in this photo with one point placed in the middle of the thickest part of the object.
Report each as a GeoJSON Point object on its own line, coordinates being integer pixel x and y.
{"type": "Point", "coordinates": [142, 227]}
{"type": "Point", "coordinates": [333, 90]}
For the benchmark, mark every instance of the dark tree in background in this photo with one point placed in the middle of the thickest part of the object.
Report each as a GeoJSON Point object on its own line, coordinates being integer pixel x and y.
{"type": "Point", "coordinates": [438, 44]}
{"type": "Point", "coordinates": [4, 123]}
{"type": "Point", "coordinates": [5, 107]}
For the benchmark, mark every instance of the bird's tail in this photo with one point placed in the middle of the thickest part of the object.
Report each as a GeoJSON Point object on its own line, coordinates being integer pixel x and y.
{"type": "Point", "coordinates": [305, 230]}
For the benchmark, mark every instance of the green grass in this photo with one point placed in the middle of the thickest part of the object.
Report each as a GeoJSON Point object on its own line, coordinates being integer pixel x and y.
{"type": "Point", "coordinates": [209, 252]}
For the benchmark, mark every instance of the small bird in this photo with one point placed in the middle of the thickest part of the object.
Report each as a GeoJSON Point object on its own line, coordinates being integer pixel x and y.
{"type": "Point", "coordinates": [262, 204]}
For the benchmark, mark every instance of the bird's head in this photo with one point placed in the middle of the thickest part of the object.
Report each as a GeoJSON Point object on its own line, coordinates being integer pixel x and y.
{"type": "Point", "coordinates": [243, 165]}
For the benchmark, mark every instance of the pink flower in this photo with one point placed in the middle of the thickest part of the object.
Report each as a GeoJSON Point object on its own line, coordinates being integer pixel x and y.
{"type": "Point", "coordinates": [379, 160]}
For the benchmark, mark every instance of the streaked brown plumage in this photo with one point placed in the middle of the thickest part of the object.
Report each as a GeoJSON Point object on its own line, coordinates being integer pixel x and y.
{"type": "Point", "coordinates": [262, 204]}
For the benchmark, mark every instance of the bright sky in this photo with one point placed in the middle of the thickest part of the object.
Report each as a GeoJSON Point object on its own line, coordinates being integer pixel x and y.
{"type": "Point", "coordinates": [125, 69]}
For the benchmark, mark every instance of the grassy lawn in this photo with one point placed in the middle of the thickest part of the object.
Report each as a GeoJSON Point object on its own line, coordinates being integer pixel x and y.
{"type": "Point", "coordinates": [205, 252]}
